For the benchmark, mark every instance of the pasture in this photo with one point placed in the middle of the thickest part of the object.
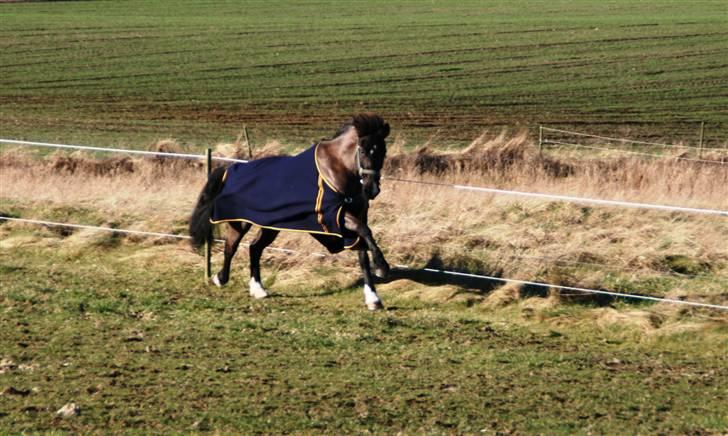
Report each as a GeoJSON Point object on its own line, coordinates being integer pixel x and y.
{"type": "Point", "coordinates": [134, 338]}
{"type": "Point", "coordinates": [126, 328]}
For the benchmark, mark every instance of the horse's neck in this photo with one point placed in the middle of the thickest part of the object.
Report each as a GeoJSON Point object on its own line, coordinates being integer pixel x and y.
{"type": "Point", "coordinates": [338, 163]}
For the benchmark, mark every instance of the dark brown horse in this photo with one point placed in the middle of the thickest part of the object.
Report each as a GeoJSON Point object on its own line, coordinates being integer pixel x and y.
{"type": "Point", "coordinates": [346, 175]}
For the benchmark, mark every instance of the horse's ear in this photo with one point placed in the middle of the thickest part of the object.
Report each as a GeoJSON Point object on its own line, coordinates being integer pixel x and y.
{"type": "Point", "coordinates": [385, 130]}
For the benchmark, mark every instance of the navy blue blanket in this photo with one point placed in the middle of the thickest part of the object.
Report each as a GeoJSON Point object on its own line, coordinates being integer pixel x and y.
{"type": "Point", "coordinates": [285, 193]}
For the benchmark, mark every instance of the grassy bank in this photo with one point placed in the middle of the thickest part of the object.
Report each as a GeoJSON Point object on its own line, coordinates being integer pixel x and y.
{"type": "Point", "coordinates": [657, 253]}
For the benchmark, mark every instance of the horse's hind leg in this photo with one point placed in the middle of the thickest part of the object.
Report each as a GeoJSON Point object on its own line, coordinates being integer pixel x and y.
{"type": "Point", "coordinates": [265, 238]}
{"type": "Point", "coordinates": [235, 232]}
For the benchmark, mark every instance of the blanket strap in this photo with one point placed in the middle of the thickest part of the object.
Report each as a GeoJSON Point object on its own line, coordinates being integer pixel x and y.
{"type": "Point", "coordinates": [319, 202]}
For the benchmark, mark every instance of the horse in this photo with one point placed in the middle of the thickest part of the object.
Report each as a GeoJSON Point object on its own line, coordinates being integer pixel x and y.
{"type": "Point", "coordinates": [324, 191]}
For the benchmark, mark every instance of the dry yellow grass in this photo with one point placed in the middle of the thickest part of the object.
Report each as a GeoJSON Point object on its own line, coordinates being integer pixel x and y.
{"type": "Point", "coordinates": [559, 243]}
{"type": "Point", "coordinates": [515, 163]}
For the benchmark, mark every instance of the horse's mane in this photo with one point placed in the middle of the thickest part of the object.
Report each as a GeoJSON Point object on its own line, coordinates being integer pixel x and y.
{"type": "Point", "coordinates": [365, 124]}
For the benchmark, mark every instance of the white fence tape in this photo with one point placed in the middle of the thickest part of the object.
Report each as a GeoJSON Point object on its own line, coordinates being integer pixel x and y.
{"type": "Point", "coordinates": [432, 270]}
{"type": "Point", "coordinates": [119, 150]}
{"type": "Point", "coordinates": [556, 197]}
{"type": "Point", "coordinates": [592, 147]}
{"type": "Point", "coordinates": [624, 140]}
{"type": "Point", "coordinates": [571, 199]}
{"type": "Point", "coordinates": [132, 232]}
{"type": "Point", "coordinates": [571, 288]}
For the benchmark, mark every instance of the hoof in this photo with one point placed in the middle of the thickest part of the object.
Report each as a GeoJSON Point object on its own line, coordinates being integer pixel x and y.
{"type": "Point", "coordinates": [216, 281]}
{"type": "Point", "coordinates": [256, 290]}
{"type": "Point", "coordinates": [375, 305]}
{"type": "Point", "coordinates": [371, 299]}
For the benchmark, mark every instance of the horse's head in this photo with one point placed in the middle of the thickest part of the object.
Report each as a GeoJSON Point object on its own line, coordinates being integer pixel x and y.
{"type": "Point", "coordinates": [370, 151]}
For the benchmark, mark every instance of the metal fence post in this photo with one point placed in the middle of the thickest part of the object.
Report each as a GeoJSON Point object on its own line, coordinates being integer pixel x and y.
{"type": "Point", "coordinates": [700, 146]}
{"type": "Point", "coordinates": [208, 241]}
{"type": "Point", "coordinates": [540, 140]}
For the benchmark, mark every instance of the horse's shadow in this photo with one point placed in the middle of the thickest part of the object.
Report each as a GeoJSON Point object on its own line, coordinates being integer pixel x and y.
{"type": "Point", "coordinates": [437, 273]}
{"type": "Point", "coordinates": [438, 278]}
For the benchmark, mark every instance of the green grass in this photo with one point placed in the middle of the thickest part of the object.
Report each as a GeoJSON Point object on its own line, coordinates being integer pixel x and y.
{"type": "Point", "coordinates": [130, 72]}
{"type": "Point", "coordinates": [135, 338]}
{"type": "Point", "coordinates": [143, 345]}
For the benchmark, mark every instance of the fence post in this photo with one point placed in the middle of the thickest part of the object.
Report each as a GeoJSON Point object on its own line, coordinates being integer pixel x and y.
{"type": "Point", "coordinates": [540, 140]}
{"type": "Point", "coordinates": [700, 146]}
{"type": "Point", "coordinates": [208, 241]}
{"type": "Point", "coordinates": [247, 141]}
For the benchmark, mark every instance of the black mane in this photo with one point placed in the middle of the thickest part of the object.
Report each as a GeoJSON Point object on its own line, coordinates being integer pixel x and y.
{"type": "Point", "coordinates": [367, 124]}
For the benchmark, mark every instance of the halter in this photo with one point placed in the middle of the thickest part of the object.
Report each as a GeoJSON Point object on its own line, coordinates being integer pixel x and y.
{"type": "Point", "coordinates": [363, 171]}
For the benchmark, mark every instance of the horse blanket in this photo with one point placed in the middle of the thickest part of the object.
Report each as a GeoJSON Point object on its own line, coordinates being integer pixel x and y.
{"type": "Point", "coordinates": [286, 193]}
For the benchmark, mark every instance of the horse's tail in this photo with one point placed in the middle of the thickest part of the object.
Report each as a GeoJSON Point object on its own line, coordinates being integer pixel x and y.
{"type": "Point", "coordinates": [200, 226]}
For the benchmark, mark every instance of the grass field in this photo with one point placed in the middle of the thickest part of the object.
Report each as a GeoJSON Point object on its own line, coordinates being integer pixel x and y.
{"type": "Point", "coordinates": [131, 72]}
{"type": "Point", "coordinates": [125, 327]}
{"type": "Point", "coordinates": [133, 338]}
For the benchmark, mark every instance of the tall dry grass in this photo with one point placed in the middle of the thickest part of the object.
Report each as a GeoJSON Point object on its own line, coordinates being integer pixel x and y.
{"type": "Point", "coordinates": [514, 162]}
{"type": "Point", "coordinates": [155, 193]}
{"type": "Point", "coordinates": [418, 224]}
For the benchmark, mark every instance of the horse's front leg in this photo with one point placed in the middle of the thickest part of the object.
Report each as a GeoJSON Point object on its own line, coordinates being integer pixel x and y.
{"type": "Point", "coordinates": [265, 238]}
{"type": "Point", "coordinates": [371, 299]}
{"type": "Point", "coordinates": [357, 225]}
{"type": "Point", "coordinates": [235, 232]}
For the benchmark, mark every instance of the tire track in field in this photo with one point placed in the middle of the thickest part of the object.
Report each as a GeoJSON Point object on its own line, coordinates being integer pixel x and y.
{"type": "Point", "coordinates": [440, 75]}
{"type": "Point", "coordinates": [391, 56]}
{"type": "Point", "coordinates": [509, 47]}
{"type": "Point", "coordinates": [523, 68]}
{"type": "Point", "coordinates": [514, 68]}
{"type": "Point", "coordinates": [416, 37]}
